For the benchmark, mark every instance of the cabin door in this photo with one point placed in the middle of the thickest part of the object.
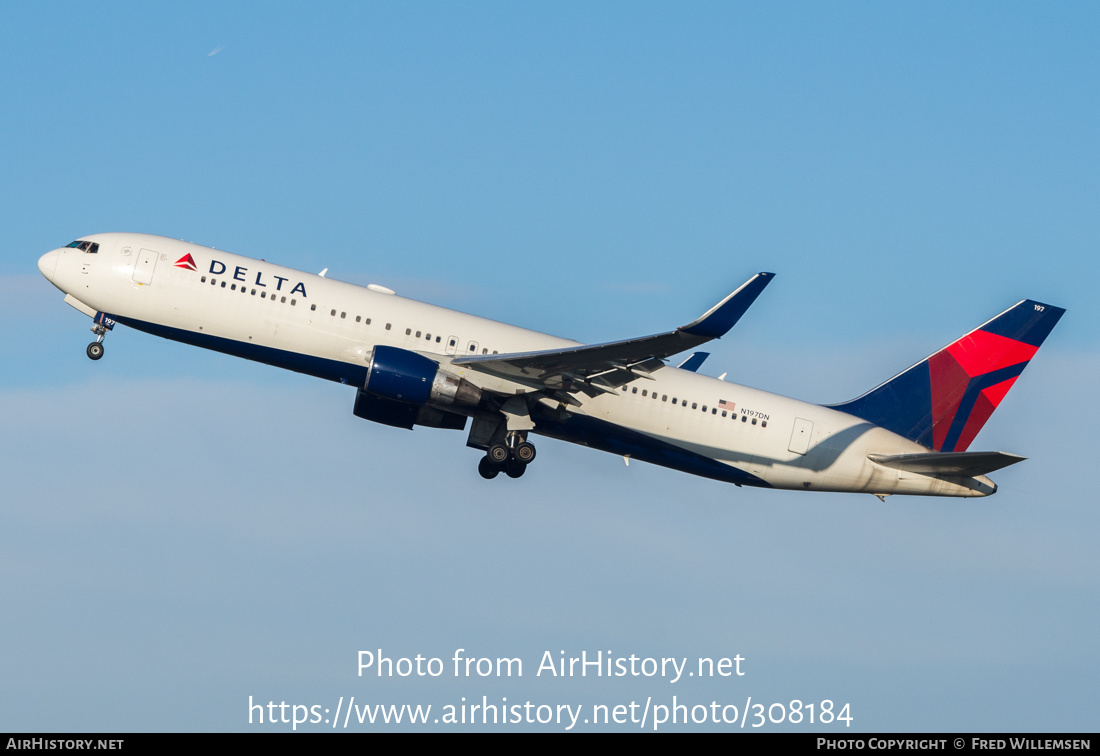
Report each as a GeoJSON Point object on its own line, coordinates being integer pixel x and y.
{"type": "Point", "coordinates": [143, 268]}
{"type": "Point", "coordinates": [800, 436]}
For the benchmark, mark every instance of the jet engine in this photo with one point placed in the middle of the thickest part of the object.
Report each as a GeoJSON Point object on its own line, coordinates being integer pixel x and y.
{"type": "Point", "coordinates": [403, 389]}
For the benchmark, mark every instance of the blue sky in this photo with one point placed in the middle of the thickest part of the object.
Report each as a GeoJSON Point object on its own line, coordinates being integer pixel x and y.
{"type": "Point", "coordinates": [183, 530]}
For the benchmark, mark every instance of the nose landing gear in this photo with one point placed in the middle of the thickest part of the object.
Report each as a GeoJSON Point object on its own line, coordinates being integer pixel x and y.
{"type": "Point", "coordinates": [95, 349]}
{"type": "Point", "coordinates": [511, 457]}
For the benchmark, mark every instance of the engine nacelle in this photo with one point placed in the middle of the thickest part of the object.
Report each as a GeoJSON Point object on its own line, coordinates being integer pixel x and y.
{"type": "Point", "coordinates": [402, 386]}
{"type": "Point", "coordinates": [385, 411]}
{"type": "Point", "coordinates": [403, 376]}
{"type": "Point", "coordinates": [402, 415]}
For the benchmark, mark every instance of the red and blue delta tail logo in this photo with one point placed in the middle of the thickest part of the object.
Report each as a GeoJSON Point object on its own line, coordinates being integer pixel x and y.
{"type": "Point", "coordinates": [968, 380]}
{"type": "Point", "coordinates": [187, 262]}
{"type": "Point", "coordinates": [945, 400]}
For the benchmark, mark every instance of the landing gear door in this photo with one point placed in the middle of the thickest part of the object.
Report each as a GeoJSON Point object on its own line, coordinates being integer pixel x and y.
{"type": "Point", "coordinates": [143, 268]}
{"type": "Point", "coordinates": [800, 436]}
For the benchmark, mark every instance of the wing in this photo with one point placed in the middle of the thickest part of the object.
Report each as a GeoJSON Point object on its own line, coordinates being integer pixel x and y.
{"type": "Point", "coordinates": [599, 368]}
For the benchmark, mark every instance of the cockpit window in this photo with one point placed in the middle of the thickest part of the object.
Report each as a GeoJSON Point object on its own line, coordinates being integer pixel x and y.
{"type": "Point", "coordinates": [90, 247]}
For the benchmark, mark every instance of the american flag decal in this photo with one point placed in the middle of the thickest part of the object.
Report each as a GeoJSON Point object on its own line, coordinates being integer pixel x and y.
{"type": "Point", "coordinates": [186, 262]}
{"type": "Point", "coordinates": [731, 406]}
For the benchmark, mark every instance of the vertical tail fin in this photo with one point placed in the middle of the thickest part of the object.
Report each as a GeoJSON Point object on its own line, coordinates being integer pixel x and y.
{"type": "Point", "coordinates": [943, 401]}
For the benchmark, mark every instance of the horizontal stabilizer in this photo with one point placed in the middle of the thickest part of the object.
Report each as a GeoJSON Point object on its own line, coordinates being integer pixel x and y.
{"type": "Point", "coordinates": [954, 464]}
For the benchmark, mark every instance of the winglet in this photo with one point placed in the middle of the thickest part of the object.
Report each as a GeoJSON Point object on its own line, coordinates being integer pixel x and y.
{"type": "Point", "coordinates": [717, 321]}
{"type": "Point", "coordinates": [694, 362]}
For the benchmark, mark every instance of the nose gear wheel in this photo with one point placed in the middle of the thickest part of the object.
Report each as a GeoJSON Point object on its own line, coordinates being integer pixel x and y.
{"type": "Point", "coordinates": [95, 349]}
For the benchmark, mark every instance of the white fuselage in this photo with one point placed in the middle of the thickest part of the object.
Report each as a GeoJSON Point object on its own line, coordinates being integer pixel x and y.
{"type": "Point", "coordinates": [328, 328]}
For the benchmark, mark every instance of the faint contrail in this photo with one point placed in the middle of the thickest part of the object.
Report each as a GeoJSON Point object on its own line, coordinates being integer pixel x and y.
{"type": "Point", "coordinates": [215, 51]}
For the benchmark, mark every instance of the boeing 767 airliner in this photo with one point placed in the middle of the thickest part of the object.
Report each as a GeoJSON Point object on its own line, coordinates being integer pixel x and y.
{"type": "Point", "coordinates": [413, 364]}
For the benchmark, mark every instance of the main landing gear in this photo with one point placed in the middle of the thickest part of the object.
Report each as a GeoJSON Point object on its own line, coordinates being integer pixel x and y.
{"type": "Point", "coordinates": [511, 457]}
{"type": "Point", "coordinates": [95, 349]}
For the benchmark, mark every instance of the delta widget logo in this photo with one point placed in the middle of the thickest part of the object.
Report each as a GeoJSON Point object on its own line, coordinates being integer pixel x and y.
{"type": "Point", "coordinates": [186, 262]}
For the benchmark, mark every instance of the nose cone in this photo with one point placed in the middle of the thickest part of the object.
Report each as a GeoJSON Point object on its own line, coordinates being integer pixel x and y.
{"type": "Point", "coordinates": [47, 263]}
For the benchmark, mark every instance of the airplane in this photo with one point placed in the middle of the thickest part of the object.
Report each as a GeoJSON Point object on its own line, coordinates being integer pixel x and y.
{"type": "Point", "coordinates": [417, 364]}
